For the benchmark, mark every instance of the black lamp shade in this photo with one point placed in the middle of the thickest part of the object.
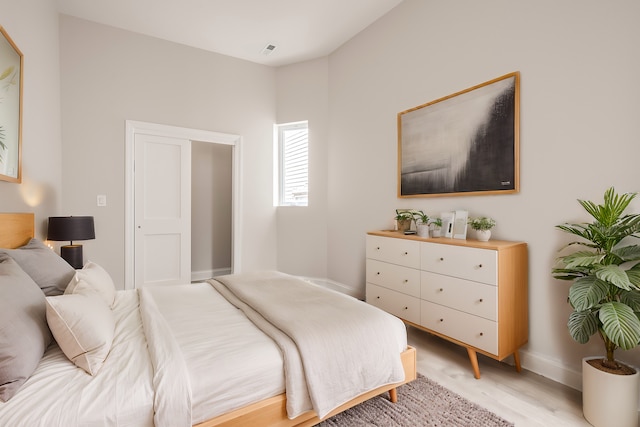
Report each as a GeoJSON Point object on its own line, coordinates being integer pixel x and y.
{"type": "Point", "coordinates": [62, 228]}
{"type": "Point", "coordinates": [71, 228]}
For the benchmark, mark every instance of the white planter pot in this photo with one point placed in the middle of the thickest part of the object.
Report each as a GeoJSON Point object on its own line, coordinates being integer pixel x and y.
{"type": "Point", "coordinates": [608, 399]}
{"type": "Point", "coordinates": [483, 235]}
{"type": "Point", "coordinates": [422, 229]}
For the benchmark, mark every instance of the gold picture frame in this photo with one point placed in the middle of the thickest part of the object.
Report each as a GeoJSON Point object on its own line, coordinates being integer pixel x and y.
{"type": "Point", "coordinates": [11, 64]}
{"type": "Point", "coordinates": [463, 144]}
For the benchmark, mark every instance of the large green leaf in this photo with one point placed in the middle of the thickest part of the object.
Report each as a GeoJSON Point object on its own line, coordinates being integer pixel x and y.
{"type": "Point", "coordinates": [615, 275]}
{"type": "Point", "coordinates": [582, 324]}
{"type": "Point", "coordinates": [632, 299]}
{"type": "Point", "coordinates": [620, 324]}
{"type": "Point", "coordinates": [628, 253]}
{"type": "Point", "coordinates": [587, 292]}
{"type": "Point", "coordinates": [581, 259]}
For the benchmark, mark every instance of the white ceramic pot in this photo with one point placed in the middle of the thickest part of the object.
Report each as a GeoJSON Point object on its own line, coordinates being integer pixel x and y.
{"type": "Point", "coordinates": [609, 399]}
{"type": "Point", "coordinates": [436, 232]}
{"type": "Point", "coordinates": [422, 229]}
{"type": "Point", "coordinates": [483, 235]}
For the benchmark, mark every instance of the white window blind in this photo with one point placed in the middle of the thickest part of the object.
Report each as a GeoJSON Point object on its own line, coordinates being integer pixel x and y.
{"type": "Point", "coordinates": [293, 145]}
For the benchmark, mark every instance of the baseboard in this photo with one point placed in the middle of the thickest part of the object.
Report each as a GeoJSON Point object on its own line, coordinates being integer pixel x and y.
{"type": "Point", "coordinates": [551, 368]}
{"type": "Point", "coordinates": [336, 286]}
{"type": "Point", "coordinates": [198, 276]}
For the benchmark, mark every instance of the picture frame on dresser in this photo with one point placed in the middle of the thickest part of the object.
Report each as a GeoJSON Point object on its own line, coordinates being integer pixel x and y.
{"type": "Point", "coordinates": [11, 65]}
{"type": "Point", "coordinates": [462, 144]}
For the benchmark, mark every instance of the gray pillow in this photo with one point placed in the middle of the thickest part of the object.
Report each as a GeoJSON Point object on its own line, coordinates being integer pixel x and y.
{"type": "Point", "coordinates": [45, 267]}
{"type": "Point", "coordinates": [24, 334]}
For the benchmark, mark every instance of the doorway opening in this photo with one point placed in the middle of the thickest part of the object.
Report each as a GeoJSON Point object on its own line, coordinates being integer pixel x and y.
{"type": "Point", "coordinates": [135, 128]}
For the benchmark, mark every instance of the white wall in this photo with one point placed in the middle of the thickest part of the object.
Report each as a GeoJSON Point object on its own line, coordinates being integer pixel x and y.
{"type": "Point", "coordinates": [579, 131]}
{"type": "Point", "coordinates": [211, 206]}
{"type": "Point", "coordinates": [109, 76]}
{"type": "Point", "coordinates": [33, 26]}
{"type": "Point", "coordinates": [302, 94]}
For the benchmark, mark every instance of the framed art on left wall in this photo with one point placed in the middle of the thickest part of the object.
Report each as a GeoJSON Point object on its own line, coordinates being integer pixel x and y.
{"type": "Point", "coordinates": [10, 109]}
{"type": "Point", "coordinates": [463, 144]}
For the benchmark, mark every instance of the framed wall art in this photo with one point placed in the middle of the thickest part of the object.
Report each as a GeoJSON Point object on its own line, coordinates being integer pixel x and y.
{"type": "Point", "coordinates": [463, 144]}
{"type": "Point", "coordinates": [10, 109]}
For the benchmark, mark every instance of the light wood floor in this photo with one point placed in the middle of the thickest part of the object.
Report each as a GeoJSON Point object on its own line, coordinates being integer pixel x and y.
{"type": "Point", "coordinates": [524, 398]}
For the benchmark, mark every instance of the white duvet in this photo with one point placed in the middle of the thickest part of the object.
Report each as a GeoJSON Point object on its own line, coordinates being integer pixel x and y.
{"type": "Point", "coordinates": [184, 354]}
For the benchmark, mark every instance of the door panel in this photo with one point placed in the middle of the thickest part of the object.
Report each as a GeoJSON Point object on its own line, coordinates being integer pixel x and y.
{"type": "Point", "coordinates": [162, 241]}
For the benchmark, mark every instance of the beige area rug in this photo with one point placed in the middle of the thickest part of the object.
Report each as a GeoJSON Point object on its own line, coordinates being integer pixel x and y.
{"type": "Point", "coordinates": [420, 403]}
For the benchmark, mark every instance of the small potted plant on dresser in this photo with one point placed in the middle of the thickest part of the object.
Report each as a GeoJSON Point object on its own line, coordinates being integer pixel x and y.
{"type": "Point", "coordinates": [483, 226]}
{"type": "Point", "coordinates": [404, 217]}
{"type": "Point", "coordinates": [422, 223]}
{"type": "Point", "coordinates": [436, 227]}
{"type": "Point", "coordinates": [605, 297]}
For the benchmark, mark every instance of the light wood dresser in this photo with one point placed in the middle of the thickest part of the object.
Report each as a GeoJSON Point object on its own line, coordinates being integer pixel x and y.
{"type": "Point", "coordinates": [469, 292]}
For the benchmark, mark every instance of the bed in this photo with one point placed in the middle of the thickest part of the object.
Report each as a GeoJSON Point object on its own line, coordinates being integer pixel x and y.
{"type": "Point", "coordinates": [226, 352]}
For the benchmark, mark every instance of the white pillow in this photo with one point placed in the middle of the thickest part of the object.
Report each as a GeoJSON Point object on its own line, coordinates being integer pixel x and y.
{"type": "Point", "coordinates": [83, 325]}
{"type": "Point", "coordinates": [93, 278]}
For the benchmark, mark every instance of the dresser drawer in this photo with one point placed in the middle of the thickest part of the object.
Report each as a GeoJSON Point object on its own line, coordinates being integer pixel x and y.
{"type": "Point", "coordinates": [471, 330]}
{"type": "Point", "coordinates": [479, 265]}
{"type": "Point", "coordinates": [395, 277]}
{"type": "Point", "coordinates": [395, 251]}
{"type": "Point", "coordinates": [474, 298]}
{"type": "Point", "coordinates": [404, 306]}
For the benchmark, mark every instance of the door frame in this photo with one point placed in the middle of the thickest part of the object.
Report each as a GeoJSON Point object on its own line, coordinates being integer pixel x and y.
{"type": "Point", "coordinates": [132, 128]}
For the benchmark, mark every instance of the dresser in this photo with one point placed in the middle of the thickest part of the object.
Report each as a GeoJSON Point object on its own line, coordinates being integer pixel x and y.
{"type": "Point", "coordinates": [469, 292]}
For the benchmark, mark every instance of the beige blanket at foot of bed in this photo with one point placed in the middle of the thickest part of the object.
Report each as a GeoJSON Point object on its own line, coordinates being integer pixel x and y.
{"type": "Point", "coordinates": [346, 346]}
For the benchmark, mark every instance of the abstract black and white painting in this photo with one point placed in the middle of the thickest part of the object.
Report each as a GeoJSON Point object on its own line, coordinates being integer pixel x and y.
{"type": "Point", "coordinates": [464, 144]}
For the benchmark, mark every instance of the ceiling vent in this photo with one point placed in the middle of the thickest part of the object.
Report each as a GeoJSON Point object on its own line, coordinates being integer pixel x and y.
{"type": "Point", "coordinates": [268, 49]}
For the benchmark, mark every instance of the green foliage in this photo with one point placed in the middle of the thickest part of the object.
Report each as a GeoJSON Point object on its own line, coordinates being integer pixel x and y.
{"type": "Point", "coordinates": [605, 293]}
{"type": "Point", "coordinates": [420, 216]}
{"type": "Point", "coordinates": [481, 223]}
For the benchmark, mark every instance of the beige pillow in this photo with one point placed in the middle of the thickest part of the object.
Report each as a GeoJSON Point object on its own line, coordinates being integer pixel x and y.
{"type": "Point", "coordinates": [83, 325]}
{"type": "Point", "coordinates": [93, 278]}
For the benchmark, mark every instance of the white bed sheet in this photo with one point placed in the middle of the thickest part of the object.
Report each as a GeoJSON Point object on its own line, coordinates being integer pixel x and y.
{"type": "Point", "coordinates": [231, 363]}
{"type": "Point", "coordinates": [120, 394]}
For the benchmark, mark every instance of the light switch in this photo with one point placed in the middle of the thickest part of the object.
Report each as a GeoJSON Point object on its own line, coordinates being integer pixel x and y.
{"type": "Point", "coordinates": [102, 200]}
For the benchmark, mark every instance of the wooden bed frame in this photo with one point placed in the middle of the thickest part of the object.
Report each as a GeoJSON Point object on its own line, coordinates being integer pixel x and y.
{"type": "Point", "coordinates": [16, 229]}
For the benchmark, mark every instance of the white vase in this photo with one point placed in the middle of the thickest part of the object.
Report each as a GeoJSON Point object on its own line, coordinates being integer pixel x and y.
{"type": "Point", "coordinates": [483, 235]}
{"type": "Point", "coordinates": [422, 229]}
{"type": "Point", "coordinates": [609, 399]}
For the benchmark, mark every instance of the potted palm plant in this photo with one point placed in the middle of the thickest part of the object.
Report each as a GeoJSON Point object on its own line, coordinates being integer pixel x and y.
{"type": "Point", "coordinates": [605, 297]}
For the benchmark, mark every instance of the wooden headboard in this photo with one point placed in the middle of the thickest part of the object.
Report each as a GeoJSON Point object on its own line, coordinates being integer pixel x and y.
{"type": "Point", "coordinates": [16, 229]}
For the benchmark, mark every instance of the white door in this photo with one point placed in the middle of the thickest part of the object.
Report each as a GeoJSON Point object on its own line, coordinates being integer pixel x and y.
{"type": "Point", "coordinates": [162, 210]}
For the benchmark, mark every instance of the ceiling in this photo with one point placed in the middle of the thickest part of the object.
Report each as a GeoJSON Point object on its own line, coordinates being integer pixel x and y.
{"type": "Point", "coordinates": [299, 29]}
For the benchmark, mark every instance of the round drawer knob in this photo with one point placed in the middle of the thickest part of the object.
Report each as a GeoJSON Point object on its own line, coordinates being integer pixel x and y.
{"type": "Point", "coordinates": [378, 273]}
{"type": "Point", "coordinates": [441, 320]}
{"type": "Point", "coordinates": [406, 253]}
{"type": "Point", "coordinates": [406, 308]}
{"type": "Point", "coordinates": [481, 300]}
{"type": "Point", "coordinates": [441, 259]}
{"type": "Point", "coordinates": [377, 297]}
{"type": "Point", "coordinates": [440, 290]}
{"type": "Point", "coordinates": [405, 281]}
{"type": "Point", "coordinates": [481, 334]}
{"type": "Point", "coordinates": [378, 248]}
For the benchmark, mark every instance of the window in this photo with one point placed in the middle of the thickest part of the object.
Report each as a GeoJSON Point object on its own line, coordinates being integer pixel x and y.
{"type": "Point", "coordinates": [293, 164]}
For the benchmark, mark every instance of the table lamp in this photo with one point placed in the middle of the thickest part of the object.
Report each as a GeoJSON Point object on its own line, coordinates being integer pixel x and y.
{"type": "Point", "coordinates": [71, 228]}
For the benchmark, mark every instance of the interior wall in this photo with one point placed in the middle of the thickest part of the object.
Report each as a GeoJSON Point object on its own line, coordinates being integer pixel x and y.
{"type": "Point", "coordinates": [33, 26]}
{"type": "Point", "coordinates": [110, 75]}
{"type": "Point", "coordinates": [578, 132]}
{"type": "Point", "coordinates": [302, 94]}
{"type": "Point", "coordinates": [211, 205]}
